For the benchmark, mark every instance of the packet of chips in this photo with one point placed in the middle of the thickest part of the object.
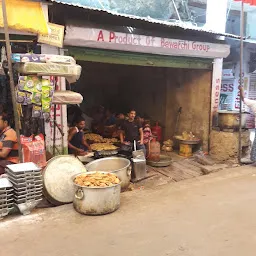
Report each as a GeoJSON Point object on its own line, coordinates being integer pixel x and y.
{"type": "Point", "coordinates": [22, 82]}
{"type": "Point", "coordinates": [46, 105]}
{"type": "Point", "coordinates": [37, 111]}
{"type": "Point", "coordinates": [28, 100]}
{"type": "Point", "coordinates": [23, 98]}
{"type": "Point", "coordinates": [36, 98]}
{"type": "Point", "coordinates": [46, 116]}
{"type": "Point", "coordinates": [38, 86]}
{"type": "Point", "coordinates": [46, 92]}
{"type": "Point", "coordinates": [46, 82]}
{"type": "Point", "coordinates": [30, 83]}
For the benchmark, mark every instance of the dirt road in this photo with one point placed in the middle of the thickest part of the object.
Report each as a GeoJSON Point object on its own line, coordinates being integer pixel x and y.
{"type": "Point", "coordinates": [213, 215]}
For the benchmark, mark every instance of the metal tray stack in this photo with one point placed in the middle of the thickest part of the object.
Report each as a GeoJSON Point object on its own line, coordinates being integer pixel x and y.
{"type": "Point", "coordinates": [6, 197]}
{"type": "Point", "coordinates": [27, 183]}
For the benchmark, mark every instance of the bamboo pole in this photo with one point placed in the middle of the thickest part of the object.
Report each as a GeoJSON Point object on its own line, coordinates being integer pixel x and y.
{"type": "Point", "coordinates": [241, 78]}
{"type": "Point", "coordinates": [12, 85]}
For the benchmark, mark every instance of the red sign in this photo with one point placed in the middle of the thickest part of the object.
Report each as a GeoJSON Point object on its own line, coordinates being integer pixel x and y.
{"type": "Point", "coordinates": [251, 2]}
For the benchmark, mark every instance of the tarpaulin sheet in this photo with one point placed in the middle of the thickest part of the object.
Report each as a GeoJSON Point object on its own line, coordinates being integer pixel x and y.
{"type": "Point", "coordinates": [25, 16]}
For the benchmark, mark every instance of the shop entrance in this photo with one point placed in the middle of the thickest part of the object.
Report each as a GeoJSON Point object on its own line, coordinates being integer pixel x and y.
{"type": "Point", "coordinates": [156, 93]}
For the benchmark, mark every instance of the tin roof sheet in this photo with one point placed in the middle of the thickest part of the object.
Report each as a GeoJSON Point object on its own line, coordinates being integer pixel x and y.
{"type": "Point", "coordinates": [178, 24]}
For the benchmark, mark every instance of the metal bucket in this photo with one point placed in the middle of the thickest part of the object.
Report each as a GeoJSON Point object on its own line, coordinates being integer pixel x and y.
{"type": "Point", "coordinates": [121, 167]}
{"type": "Point", "coordinates": [96, 200]}
{"type": "Point", "coordinates": [230, 119]}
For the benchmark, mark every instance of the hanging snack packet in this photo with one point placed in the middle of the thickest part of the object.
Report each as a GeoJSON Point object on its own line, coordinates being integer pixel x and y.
{"type": "Point", "coordinates": [46, 92]}
{"type": "Point", "coordinates": [46, 105]}
{"type": "Point", "coordinates": [21, 97]}
{"type": "Point", "coordinates": [46, 82]}
{"type": "Point", "coordinates": [30, 83]}
{"type": "Point", "coordinates": [37, 111]}
{"type": "Point", "coordinates": [38, 86]}
{"type": "Point", "coordinates": [22, 82]}
{"type": "Point", "coordinates": [36, 98]}
{"type": "Point", "coordinates": [28, 99]}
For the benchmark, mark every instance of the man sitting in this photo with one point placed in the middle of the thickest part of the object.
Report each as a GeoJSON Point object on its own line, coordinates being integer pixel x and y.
{"type": "Point", "coordinates": [8, 144]}
{"type": "Point", "coordinates": [77, 144]}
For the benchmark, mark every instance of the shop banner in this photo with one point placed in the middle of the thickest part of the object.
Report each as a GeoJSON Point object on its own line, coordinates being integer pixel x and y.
{"type": "Point", "coordinates": [55, 37]}
{"type": "Point", "coordinates": [107, 39]}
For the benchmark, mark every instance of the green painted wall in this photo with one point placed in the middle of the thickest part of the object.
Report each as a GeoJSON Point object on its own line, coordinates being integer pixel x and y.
{"type": "Point", "coordinates": [138, 59]}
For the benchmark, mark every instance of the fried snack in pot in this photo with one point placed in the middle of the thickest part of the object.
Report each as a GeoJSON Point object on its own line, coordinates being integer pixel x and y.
{"type": "Point", "coordinates": [103, 146]}
{"type": "Point", "coordinates": [97, 180]}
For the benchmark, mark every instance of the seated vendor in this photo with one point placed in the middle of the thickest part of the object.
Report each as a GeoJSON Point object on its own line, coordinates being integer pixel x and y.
{"type": "Point", "coordinates": [8, 144]}
{"type": "Point", "coordinates": [77, 144]}
{"type": "Point", "coordinates": [110, 118]}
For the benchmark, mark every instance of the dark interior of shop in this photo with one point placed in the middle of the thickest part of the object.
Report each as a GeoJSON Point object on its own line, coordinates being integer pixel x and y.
{"type": "Point", "coordinates": [155, 93]}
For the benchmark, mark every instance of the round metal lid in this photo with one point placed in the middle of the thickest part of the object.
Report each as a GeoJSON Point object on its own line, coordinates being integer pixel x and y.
{"type": "Point", "coordinates": [57, 177]}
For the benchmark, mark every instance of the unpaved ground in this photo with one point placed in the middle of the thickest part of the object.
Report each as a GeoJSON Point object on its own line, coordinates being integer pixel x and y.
{"type": "Point", "coordinates": [212, 215]}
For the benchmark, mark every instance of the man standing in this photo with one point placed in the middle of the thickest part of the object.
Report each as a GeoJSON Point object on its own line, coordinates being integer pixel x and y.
{"type": "Point", "coordinates": [252, 105]}
{"type": "Point", "coordinates": [8, 144]}
{"type": "Point", "coordinates": [132, 131]}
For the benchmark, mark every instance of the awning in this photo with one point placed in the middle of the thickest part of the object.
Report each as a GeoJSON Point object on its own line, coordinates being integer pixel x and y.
{"type": "Point", "coordinates": [25, 16]}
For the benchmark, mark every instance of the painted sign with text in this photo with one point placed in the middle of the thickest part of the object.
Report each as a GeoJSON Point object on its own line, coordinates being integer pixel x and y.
{"type": "Point", "coordinates": [216, 90]}
{"type": "Point", "coordinates": [55, 36]}
{"type": "Point", "coordinates": [107, 39]}
{"type": "Point", "coordinates": [227, 94]}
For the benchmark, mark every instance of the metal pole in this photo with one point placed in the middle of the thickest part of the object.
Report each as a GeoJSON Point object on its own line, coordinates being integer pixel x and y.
{"type": "Point", "coordinates": [176, 10]}
{"type": "Point", "coordinates": [12, 85]}
{"type": "Point", "coordinates": [241, 79]}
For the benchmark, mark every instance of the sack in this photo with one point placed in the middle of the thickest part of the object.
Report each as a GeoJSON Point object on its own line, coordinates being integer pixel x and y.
{"type": "Point", "coordinates": [33, 150]}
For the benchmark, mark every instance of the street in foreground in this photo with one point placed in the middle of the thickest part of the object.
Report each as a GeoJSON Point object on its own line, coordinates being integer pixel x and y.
{"type": "Point", "coordinates": [206, 216]}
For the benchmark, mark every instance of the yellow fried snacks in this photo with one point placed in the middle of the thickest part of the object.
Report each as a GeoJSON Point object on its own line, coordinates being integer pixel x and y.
{"type": "Point", "coordinates": [93, 137]}
{"type": "Point", "coordinates": [110, 140]}
{"type": "Point", "coordinates": [97, 180]}
{"type": "Point", "coordinates": [103, 146]}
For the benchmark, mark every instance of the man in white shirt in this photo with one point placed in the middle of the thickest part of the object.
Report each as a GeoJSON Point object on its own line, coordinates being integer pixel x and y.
{"type": "Point", "coordinates": [252, 105]}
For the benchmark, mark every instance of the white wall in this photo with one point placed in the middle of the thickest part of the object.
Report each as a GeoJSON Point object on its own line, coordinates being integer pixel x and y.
{"type": "Point", "coordinates": [216, 15]}
{"type": "Point", "coordinates": [216, 21]}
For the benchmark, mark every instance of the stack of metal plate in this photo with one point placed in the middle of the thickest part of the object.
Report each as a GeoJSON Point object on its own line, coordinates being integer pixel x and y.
{"type": "Point", "coordinates": [6, 197]}
{"type": "Point", "coordinates": [27, 183]}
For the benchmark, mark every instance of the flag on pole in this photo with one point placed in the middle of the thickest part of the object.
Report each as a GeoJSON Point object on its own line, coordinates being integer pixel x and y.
{"type": "Point", "coordinates": [251, 2]}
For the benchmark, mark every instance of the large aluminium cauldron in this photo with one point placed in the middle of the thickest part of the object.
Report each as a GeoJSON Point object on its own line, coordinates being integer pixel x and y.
{"type": "Point", "coordinates": [230, 119]}
{"type": "Point", "coordinates": [96, 200]}
{"type": "Point", "coordinates": [121, 167]}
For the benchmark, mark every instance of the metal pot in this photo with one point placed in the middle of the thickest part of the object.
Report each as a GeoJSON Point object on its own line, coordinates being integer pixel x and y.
{"type": "Point", "coordinates": [121, 167]}
{"type": "Point", "coordinates": [230, 119]}
{"type": "Point", "coordinates": [96, 200]}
